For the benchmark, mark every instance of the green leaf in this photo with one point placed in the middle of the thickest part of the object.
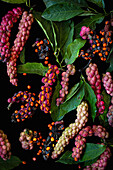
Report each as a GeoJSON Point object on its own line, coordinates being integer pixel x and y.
{"type": "Point", "coordinates": [49, 3]}
{"type": "Point", "coordinates": [91, 153]}
{"type": "Point", "coordinates": [100, 3]}
{"type": "Point", "coordinates": [22, 56]}
{"type": "Point", "coordinates": [62, 30]}
{"type": "Point", "coordinates": [9, 164]}
{"type": "Point", "coordinates": [103, 117]}
{"type": "Point", "coordinates": [46, 27]}
{"type": "Point", "coordinates": [91, 98]}
{"type": "Point", "coordinates": [73, 50]}
{"type": "Point", "coordinates": [59, 112]}
{"type": "Point", "coordinates": [15, 1]}
{"type": "Point", "coordinates": [110, 60]}
{"type": "Point", "coordinates": [89, 22]}
{"type": "Point", "coordinates": [32, 68]}
{"type": "Point", "coordinates": [62, 11]}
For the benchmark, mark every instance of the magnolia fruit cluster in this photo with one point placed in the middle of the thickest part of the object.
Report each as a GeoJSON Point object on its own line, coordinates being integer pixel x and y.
{"type": "Point", "coordinates": [45, 94]}
{"type": "Point", "coordinates": [55, 131]}
{"type": "Point", "coordinates": [101, 163]}
{"type": "Point", "coordinates": [99, 44]}
{"type": "Point", "coordinates": [21, 38]}
{"type": "Point", "coordinates": [72, 130]}
{"type": "Point", "coordinates": [110, 115]}
{"type": "Point", "coordinates": [5, 146]}
{"type": "Point", "coordinates": [5, 32]}
{"type": "Point", "coordinates": [108, 83]}
{"type": "Point", "coordinates": [29, 105]}
{"type": "Point", "coordinates": [28, 138]}
{"type": "Point", "coordinates": [65, 82]}
{"type": "Point", "coordinates": [95, 82]}
{"type": "Point", "coordinates": [80, 140]}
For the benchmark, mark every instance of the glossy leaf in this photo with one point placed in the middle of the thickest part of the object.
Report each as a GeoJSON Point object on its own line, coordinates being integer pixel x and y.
{"type": "Point", "coordinates": [73, 50]}
{"type": "Point", "coordinates": [62, 11]}
{"type": "Point", "coordinates": [91, 98]}
{"type": "Point", "coordinates": [62, 30]}
{"type": "Point", "coordinates": [59, 112]}
{"type": "Point", "coordinates": [32, 68]}
{"type": "Point", "coordinates": [49, 3]}
{"type": "Point", "coordinates": [110, 60]}
{"type": "Point", "coordinates": [89, 22]}
{"type": "Point", "coordinates": [46, 27]}
{"type": "Point", "coordinates": [9, 164]}
{"type": "Point", "coordinates": [15, 1]}
{"type": "Point", "coordinates": [22, 56]}
{"type": "Point", "coordinates": [100, 3]}
{"type": "Point", "coordinates": [91, 153]}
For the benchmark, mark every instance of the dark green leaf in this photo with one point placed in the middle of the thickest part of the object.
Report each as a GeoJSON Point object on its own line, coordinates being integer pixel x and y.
{"type": "Point", "coordinates": [91, 98]}
{"type": "Point", "coordinates": [90, 162]}
{"type": "Point", "coordinates": [32, 68]}
{"type": "Point", "coordinates": [22, 56]}
{"type": "Point", "coordinates": [62, 11]}
{"type": "Point", "coordinates": [15, 1]}
{"type": "Point", "coordinates": [46, 27]}
{"type": "Point", "coordinates": [89, 22]}
{"type": "Point", "coordinates": [62, 30]}
{"type": "Point", "coordinates": [68, 41]}
{"type": "Point", "coordinates": [71, 104]}
{"type": "Point", "coordinates": [110, 60]}
{"type": "Point", "coordinates": [100, 3]}
{"type": "Point", "coordinates": [9, 164]}
{"type": "Point", "coordinates": [103, 117]}
{"type": "Point", "coordinates": [49, 3]}
{"type": "Point", "coordinates": [91, 153]}
{"type": "Point", "coordinates": [73, 50]}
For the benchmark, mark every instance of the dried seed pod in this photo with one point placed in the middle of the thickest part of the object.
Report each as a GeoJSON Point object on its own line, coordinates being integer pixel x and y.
{"type": "Point", "coordinates": [71, 130]}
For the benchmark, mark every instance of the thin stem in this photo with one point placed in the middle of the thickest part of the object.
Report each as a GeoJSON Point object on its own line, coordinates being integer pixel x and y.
{"type": "Point", "coordinates": [81, 70]}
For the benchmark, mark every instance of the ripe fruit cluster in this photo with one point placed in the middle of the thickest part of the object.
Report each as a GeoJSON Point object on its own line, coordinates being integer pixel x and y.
{"type": "Point", "coordinates": [45, 94]}
{"type": "Point", "coordinates": [108, 83]}
{"type": "Point", "coordinates": [5, 146]}
{"type": "Point", "coordinates": [43, 49]}
{"type": "Point", "coordinates": [80, 140]}
{"type": "Point", "coordinates": [29, 105]}
{"type": "Point", "coordinates": [72, 130]}
{"type": "Point", "coordinates": [101, 163]}
{"type": "Point", "coordinates": [65, 79]}
{"type": "Point", "coordinates": [5, 32]}
{"type": "Point", "coordinates": [95, 82]}
{"type": "Point", "coordinates": [99, 44]}
{"type": "Point", "coordinates": [28, 138]}
{"type": "Point", "coordinates": [21, 38]}
{"type": "Point", "coordinates": [110, 115]}
{"type": "Point", "coordinates": [55, 131]}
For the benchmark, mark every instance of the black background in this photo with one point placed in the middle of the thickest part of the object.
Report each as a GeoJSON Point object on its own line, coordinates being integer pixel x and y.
{"type": "Point", "coordinates": [40, 120]}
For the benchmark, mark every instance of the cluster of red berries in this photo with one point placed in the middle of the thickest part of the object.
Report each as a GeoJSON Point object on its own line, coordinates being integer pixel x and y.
{"type": "Point", "coordinates": [110, 115]}
{"type": "Point", "coordinates": [5, 146]}
{"type": "Point", "coordinates": [29, 105]}
{"type": "Point", "coordinates": [5, 32]}
{"type": "Point", "coordinates": [45, 94]}
{"type": "Point", "coordinates": [99, 44]}
{"type": "Point", "coordinates": [55, 131]}
{"type": "Point", "coordinates": [95, 82]}
{"type": "Point", "coordinates": [21, 38]}
{"type": "Point", "coordinates": [80, 142]}
{"type": "Point", "coordinates": [42, 49]}
{"type": "Point", "coordinates": [65, 79]}
{"type": "Point", "coordinates": [108, 83]}
{"type": "Point", "coordinates": [28, 138]}
{"type": "Point", "coordinates": [71, 130]}
{"type": "Point", "coordinates": [101, 163]}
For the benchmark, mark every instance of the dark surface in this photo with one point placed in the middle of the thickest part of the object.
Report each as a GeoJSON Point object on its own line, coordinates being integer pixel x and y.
{"type": "Point", "coordinates": [40, 120]}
